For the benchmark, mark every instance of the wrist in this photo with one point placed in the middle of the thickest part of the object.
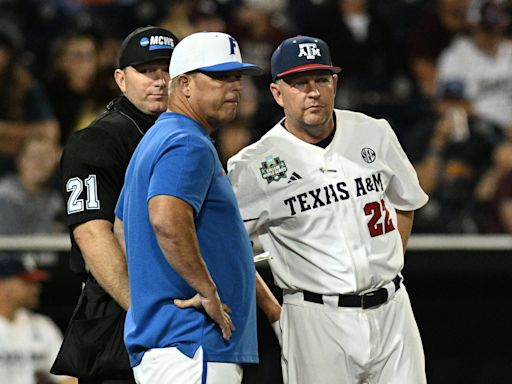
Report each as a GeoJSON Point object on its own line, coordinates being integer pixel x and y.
{"type": "Point", "coordinates": [209, 291]}
{"type": "Point", "coordinates": [273, 313]}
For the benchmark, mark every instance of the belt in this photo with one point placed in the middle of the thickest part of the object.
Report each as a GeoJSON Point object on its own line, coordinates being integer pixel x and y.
{"type": "Point", "coordinates": [366, 300]}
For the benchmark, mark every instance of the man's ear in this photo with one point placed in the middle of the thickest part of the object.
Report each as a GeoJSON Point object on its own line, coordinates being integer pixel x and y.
{"type": "Point", "coordinates": [120, 78]}
{"type": "Point", "coordinates": [276, 92]}
{"type": "Point", "coordinates": [185, 84]}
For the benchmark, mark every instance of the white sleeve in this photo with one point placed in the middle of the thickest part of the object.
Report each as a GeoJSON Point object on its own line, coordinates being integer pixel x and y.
{"type": "Point", "coordinates": [52, 341]}
{"type": "Point", "coordinates": [252, 200]}
{"type": "Point", "coordinates": [450, 66]}
{"type": "Point", "coordinates": [404, 190]}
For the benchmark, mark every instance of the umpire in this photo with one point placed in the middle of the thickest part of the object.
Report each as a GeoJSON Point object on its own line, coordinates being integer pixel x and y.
{"type": "Point", "coordinates": [93, 166]}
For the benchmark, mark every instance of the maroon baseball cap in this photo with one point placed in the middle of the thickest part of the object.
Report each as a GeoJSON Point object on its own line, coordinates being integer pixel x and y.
{"type": "Point", "coordinates": [15, 264]}
{"type": "Point", "coordinates": [299, 54]}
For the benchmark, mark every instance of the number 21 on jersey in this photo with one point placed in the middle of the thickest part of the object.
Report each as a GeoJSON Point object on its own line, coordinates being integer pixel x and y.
{"type": "Point", "coordinates": [75, 185]}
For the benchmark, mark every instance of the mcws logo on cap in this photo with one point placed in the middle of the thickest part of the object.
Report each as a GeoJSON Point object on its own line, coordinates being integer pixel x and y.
{"type": "Point", "coordinates": [157, 42]}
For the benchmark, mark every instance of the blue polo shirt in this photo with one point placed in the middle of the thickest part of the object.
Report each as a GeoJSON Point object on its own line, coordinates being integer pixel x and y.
{"type": "Point", "coordinates": [177, 158]}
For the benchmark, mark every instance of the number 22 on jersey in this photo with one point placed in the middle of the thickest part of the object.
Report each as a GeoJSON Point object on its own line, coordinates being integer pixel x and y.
{"type": "Point", "coordinates": [376, 226]}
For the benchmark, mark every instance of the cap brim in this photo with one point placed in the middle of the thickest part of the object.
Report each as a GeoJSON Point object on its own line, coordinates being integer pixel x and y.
{"type": "Point", "coordinates": [148, 60]}
{"type": "Point", "coordinates": [309, 67]}
{"type": "Point", "coordinates": [249, 69]}
{"type": "Point", "coordinates": [35, 275]}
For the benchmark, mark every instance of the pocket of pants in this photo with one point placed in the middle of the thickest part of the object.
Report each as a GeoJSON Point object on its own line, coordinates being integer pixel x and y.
{"type": "Point", "coordinates": [94, 348]}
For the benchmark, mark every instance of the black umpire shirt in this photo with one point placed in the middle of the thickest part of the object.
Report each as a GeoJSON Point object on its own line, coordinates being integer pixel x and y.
{"type": "Point", "coordinates": [93, 166]}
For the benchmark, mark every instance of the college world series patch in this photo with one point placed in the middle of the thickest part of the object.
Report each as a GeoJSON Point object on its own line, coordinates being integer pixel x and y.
{"type": "Point", "coordinates": [273, 169]}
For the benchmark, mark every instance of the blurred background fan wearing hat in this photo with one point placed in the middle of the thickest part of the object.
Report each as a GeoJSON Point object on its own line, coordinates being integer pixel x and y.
{"type": "Point", "coordinates": [451, 152]}
{"type": "Point", "coordinates": [482, 62]}
{"type": "Point", "coordinates": [29, 341]}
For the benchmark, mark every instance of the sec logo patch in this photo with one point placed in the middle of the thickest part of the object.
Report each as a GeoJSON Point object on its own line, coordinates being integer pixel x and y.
{"type": "Point", "coordinates": [368, 155]}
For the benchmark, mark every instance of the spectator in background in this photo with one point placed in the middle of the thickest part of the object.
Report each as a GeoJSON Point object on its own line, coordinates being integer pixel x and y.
{"type": "Point", "coordinates": [24, 109]}
{"type": "Point", "coordinates": [482, 62]}
{"type": "Point", "coordinates": [258, 35]}
{"type": "Point", "coordinates": [494, 192]}
{"type": "Point", "coordinates": [374, 70]}
{"type": "Point", "coordinates": [177, 18]}
{"type": "Point", "coordinates": [28, 203]}
{"type": "Point", "coordinates": [28, 341]}
{"type": "Point", "coordinates": [75, 88]}
{"type": "Point", "coordinates": [231, 139]}
{"type": "Point", "coordinates": [206, 17]}
{"type": "Point", "coordinates": [457, 152]}
{"type": "Point", "coordinates": [433, 34]}
{"type": "Point", "coordinates": [360, 42]}
{"type": "Point", "coordinates": [109, 49]}
{"type": "Point", "coordinates": [253, 26]}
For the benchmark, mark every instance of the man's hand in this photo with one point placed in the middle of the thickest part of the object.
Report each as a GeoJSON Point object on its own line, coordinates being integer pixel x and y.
{"type": "Point", "coordinates": [218, 311]}
{"type": "Point", "coordinates": [193, 302]}
{"type": "Point", "coordinates": [276, 326]}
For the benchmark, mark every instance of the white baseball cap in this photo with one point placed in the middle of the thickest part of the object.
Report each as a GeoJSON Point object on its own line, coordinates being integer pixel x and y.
{"type": "Point", "coordinates": [208, 52]}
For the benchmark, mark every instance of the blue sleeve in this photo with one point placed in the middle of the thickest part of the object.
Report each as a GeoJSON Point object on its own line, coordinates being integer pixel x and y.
{"type": "Point", "coordinates": [185, 170]}
{"type": "Point", "coordinates": [120, 205]}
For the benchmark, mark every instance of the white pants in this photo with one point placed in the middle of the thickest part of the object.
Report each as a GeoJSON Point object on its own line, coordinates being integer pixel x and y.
{"type": "Point", "coordinates": [170, 366]}
{"type": "Point", "coordinates": [327, 344]}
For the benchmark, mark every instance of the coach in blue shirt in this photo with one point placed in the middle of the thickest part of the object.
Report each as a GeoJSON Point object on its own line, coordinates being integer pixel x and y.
{"type": "Point", "coordinates": [183, 233]}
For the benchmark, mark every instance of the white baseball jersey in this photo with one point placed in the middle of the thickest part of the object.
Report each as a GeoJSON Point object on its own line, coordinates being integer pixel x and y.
{"type": "Point", "coordinates": [487, 79]}
{"type": "Point", "coordinates": [328, 216]}
{"type": "Point", "coordinates": [29, 344]}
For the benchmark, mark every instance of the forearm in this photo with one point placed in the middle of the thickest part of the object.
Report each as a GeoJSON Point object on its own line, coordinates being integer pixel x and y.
{"type": "Point", "coordinates": [173, 223]}
{"type": "Point", "coordinates": [428, 172]}
{"type": "Point", "coordinates": [14, 133]}
{"type": "Point", "coordinates": [104, 258]}
{"type": "Point", "coordinates": [119, 233]}
{"type": "Point", "coordinates": [266, 300]}
{"type": "Point", "coordinates": [404, 224]}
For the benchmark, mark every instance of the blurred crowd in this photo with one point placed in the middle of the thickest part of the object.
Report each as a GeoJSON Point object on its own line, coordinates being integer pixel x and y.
{"type": "Point", "coordinates": [439, 71]}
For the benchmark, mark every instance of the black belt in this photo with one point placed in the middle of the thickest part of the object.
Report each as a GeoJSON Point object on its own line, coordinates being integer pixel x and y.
{"type": "Point", "coordinates": [367, 300]}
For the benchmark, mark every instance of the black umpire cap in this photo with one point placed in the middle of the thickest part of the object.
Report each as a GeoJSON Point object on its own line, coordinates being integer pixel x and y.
{"type": "Point", "coordinates": [146, 44]}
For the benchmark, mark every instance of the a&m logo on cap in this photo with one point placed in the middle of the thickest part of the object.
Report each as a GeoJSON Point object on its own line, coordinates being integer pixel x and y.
{"type": "Point", "coordinates": [157, 42]}
{"type": "Point", "coordinates": [310, 50]}
{"type": "Point", "coordinates": [273, 169]}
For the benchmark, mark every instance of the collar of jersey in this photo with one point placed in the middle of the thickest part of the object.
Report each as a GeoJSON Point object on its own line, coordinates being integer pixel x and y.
{"type": "Point", "coordinates": [194, 124]}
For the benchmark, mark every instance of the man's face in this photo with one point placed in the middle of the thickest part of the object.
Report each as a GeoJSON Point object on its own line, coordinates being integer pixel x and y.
{"type": "Point", "coordinates": [145, 85]}
{"type": "Point", "coordinates": [216, 95]}
{"type": "Point", "coordinates": [37, 161]}
{"type": "Point", "coordinates": [21, 293]}
{"type": "Point", "coordinates": [307, 97]}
